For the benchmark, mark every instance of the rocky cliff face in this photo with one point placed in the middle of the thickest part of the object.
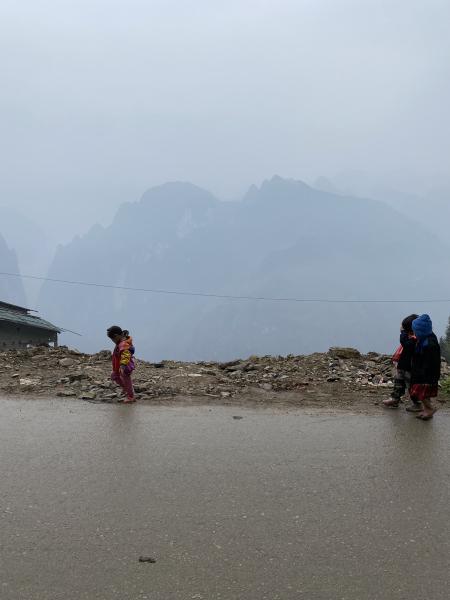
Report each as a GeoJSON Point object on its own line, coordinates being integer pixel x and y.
{"type": "Point", "coordinates": [284, 239]}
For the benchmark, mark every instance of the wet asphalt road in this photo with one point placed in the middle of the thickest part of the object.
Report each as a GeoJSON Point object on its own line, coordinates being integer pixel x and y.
{"type": "Point", "coordinates": [277, 505]}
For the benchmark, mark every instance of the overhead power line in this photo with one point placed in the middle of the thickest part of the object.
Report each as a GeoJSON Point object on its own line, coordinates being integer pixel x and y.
{"type": "Point", "coordinates": [230, 296]}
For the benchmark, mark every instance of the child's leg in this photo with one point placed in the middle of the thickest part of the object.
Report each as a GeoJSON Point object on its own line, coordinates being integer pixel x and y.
{"type": "Point", "coordinates": [428, 410]}
{"type": "Point", "coordinates": [127, 385]}
{"type": "Point", "coordinates": [398, 391]}
{"type": "Point", "coordinates": [399, 385]}
{"type": "Point", "coordinates": [415, 405]}
{"type": "Point", "coordinates": [118, 378]}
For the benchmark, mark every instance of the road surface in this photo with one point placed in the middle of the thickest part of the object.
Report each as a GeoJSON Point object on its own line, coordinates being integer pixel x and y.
{"type": "Point", "coordinates": [273, 505]}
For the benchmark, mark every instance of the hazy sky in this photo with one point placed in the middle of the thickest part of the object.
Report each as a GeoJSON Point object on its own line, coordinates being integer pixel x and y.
{"type": "Point", "coordinates": [102, 99]}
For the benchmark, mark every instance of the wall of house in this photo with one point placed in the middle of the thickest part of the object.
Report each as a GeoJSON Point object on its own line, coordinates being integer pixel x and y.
{"type": "Point", "coordinates": [22, 336]}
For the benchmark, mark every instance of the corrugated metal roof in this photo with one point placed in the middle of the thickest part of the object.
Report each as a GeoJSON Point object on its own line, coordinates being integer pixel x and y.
{"type": "Point", "coordinates": [14, 316]}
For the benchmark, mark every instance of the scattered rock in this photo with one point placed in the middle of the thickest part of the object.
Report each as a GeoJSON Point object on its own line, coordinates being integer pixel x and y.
{"type": "Point", "coordinates": [345, 353]}
{"type": "Point", "coordinates": [76, 376]}
{"type": "Point", "coordinates": [228, 365]}
{"type": "Point", "coordinates": [28, 382]}
{"type": "Point", "coordinates": [66, 362]}
{"type": "Point", "coordinates": [147, 559]}
{"type": "Point", "coordinates": [87, 396]}
{"type": "Point", "coordinates": [66, 393]}
{"type": "Point", "coordinates": [266, 386]}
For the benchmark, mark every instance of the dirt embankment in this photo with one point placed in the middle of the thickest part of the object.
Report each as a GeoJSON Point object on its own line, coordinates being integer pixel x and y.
{"type": "Point", "coordinates": [339, 378]}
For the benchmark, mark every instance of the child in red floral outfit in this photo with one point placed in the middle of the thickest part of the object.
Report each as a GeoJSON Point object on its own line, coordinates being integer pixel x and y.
{"type": "Point", "coordinates": [122, 360]}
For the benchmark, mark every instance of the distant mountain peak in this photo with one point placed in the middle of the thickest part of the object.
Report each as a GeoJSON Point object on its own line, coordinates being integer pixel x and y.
{"type": "Point", "coordinates": [323, 184]}
{"type": "Point", "coordinates": [279, 188]}
{"type": "Point", "coordinates": [277, 180]}
{"type": "Point", "coordinates": [182, 190]}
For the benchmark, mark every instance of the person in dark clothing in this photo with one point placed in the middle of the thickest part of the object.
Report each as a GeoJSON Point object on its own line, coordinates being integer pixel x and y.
{"type": "Point", "coordinates": [402, 360]}
{"type": "Point", "coordinates": [425, 366]}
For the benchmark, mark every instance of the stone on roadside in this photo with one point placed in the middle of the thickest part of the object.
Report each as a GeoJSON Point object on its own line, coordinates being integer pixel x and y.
{"type": "Point", "coordinates": [28, 382]}
{"type": "Point", "coordinates": [66, 362]}
{"type": "Point", "coordinates": [87, 396]}
{"type": "Point", "coordinates": [345, 353]}
{"type": "Point", "coordinates": [266, 386]}
{"type": "Point", "coordinates": [66, 393]}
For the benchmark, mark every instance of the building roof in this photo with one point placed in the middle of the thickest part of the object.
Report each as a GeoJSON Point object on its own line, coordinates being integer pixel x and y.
{"type": "Point", "coordinates": [21, 316]}
{"type": "Point", "coordinates": [15, 307]}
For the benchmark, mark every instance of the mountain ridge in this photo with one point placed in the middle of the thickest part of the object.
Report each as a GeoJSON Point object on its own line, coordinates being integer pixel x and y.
{"type": "Point", "coordinates": [289, 239]}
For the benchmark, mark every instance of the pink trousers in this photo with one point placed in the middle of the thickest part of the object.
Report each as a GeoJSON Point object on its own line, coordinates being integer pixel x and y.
{"type": "Point", "coordinates": [124, 380]}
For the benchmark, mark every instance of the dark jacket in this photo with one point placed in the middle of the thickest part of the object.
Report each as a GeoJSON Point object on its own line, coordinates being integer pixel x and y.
{"type": "Point", "coordinates": [426, 361]}
{"type": "Point", "coordinates": [408, 344]}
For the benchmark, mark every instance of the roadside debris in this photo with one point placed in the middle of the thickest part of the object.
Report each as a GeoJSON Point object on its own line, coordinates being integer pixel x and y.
{"type": "Point", "coordinates": [67, 373]}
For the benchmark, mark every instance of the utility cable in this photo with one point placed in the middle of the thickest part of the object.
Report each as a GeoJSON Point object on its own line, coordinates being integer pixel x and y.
{"type": "Point", "coordinates": [229, 296]}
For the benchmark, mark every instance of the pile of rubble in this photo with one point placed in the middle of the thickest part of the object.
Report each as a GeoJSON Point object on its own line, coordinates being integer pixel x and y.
{"type": "Point", "coordinates": [68, 373]}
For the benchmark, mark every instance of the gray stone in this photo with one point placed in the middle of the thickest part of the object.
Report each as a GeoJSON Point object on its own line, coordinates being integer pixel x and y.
{"type": "Point", "coordinates": [66, 362]}
{"type": "Point", "coordinates": [266, 386]}
{"type": "Point", "coordinates": [87, 396]}
{"type": "Point", "coordinates": [74, 376]}
{"type": "Point", "coordinates": [345, 353]}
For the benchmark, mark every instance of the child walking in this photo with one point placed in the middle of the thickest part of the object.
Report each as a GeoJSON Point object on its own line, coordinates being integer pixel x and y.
{"type": "Point", "coordinates": [426, 366]}
{"type": "Point", "coordinates": [402, 360]}
{"type": "Point", "coordinates": [122, 360]}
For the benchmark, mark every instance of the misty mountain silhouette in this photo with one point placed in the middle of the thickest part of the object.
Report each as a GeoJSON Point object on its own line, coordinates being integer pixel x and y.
{"type": "Point", "coordinates": [34, 248]}
{"type": "Point", "coordinates": [284, 239]}
{"type": "Point", "coordinates": [434, 204]}
{"type": "Point", "coordinates": [11, 288]}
